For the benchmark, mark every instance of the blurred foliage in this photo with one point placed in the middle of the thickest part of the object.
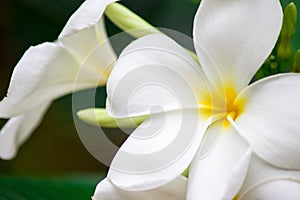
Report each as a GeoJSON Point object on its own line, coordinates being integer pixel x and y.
{"type": "Point", "coordinates": [285, 56]}
{"type": "Point", "coordinates": [196, 1]}
{"type": "Point", "coordinates": [47, 188]}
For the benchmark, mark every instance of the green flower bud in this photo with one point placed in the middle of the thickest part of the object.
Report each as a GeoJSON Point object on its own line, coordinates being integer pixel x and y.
{"type": "Point", "coordinates": [289, 21]}
{"type": "Point", "coordinates": [134, 25]}
{"type": "Point", "coordinates": [284, 48]}
{"type": "Point", "coordinates": [99, 116]}
{"type": "Point", "coordinates": [128, 21]}
{"type": "Point", "coordinates": [288, 30]}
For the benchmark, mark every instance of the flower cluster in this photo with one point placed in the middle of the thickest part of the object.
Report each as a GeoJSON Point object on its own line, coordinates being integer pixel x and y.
{"type": "Point", "coordinates": [238, 138]}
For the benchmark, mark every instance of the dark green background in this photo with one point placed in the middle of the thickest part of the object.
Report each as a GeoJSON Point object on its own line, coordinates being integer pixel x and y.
{"type": "Point", "coordinates": [54, 147]}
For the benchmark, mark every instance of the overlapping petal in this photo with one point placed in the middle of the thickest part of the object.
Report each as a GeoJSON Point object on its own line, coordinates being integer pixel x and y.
{"type": "Point", "coordinates": [154, 74]}
{"type": "Point", "coordinates": [84, 31]}
{"type": "Point", "coordinates": [50, 70]}
{"type": "Point", "coordinates": [18, 129]}
{"type": "Point", "coordinates": [175, 190]}
{"type": "Point", "coordinates": [158, 151]}
{"type": "Point", "coordinates": [46, 72]}
{"type": "Point", "coordinates": [264, 181]}
{"type": "Point", "coordinates": [80, 59]}
{"type": "Point", "coordinates": [81, 44]}
{"type": "Point", "coordinates": [269, 119]}
{"type": "Point", "coordinates": [274, 190]}
{"type": "Point", "coordinates": [220, 174]}
{"type": "Point", "coordinates": [234, 38]}
{"type": "Point", "coordinates": [86, 16]}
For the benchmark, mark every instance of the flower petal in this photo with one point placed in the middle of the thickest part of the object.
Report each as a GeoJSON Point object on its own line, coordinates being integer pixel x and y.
{"type": "Point", "coordinates": [158, 151]}
{"type": "Point", "coordinates": [81, 44]}
{"type": "Point", "coordinates": [221, 173]}
{"type": "Point", "coordinates": [274, 190]}
{"type": "Point", "coordinates": [46, 72]}
{"type": "Point", "coordinates": [80, 59]}
{"type": "Point", "coordinates": [263, 182]}
{"type": "Point", "coordinates": [153, 71]}
{"type": "Point", "coordinates": [87, 15]}
{"type": "Point", "coordinates": [82, 55]}
{"type": "Point", "coordinates": [175, 190]}
{"type": "Point", "coordinates": [18, 129]}
{"type": "Point", "coordinates": [269, 119]}
{"type": "Point", "coordinates": [233, 38]}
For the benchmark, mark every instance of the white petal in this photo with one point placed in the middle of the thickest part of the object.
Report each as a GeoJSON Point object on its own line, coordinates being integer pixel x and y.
{"type": "Point", "coordinates": [221, 173]}
{"type": "Point", "coordinates": [87, 15]}
{"type": "Point", "coordinates": [175, 190]}
{"type": "Point", "coordinates": [263, 181]}
{"type": "Point", "coordinates": [274, 190]}
{"type": "Point", "coordinates": [46, 72]}
{"type": "Point", "coordinates": [81, 44]}
{"type": "Point", "coordinates": [153, 71]}
{"type": "Point", "coordinates": [233, 38]}
{"type": "Point", "coordinates": [270, 117]}
{"type": "Point", "coordinates": [158, 151]}
{"type": "Point", "coordinates": [82, 58]}
{"type": "Point", "coordinates": [16, 131]}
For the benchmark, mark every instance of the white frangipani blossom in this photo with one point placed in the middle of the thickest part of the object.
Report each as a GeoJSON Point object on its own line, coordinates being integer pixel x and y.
{"type": "Point", "coordinates": [174, 190]}
{"type": "Point", "coordinates": [47, 71]}
{"type": "Point", "coordinates": [208, 116]}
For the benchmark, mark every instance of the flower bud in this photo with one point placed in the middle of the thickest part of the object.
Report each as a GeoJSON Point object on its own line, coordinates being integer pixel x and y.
{"type": "Point", "coordinates": [288, 30]}
{"type": "Point", "coordinates": [99, 117]}
{"type": "Point", "coordinates": [128, 21]}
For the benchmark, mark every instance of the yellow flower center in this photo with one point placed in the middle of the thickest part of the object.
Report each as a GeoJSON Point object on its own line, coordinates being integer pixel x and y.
{"type": "Point", "coordinates": [222, 102]}
{"type": "Point", "coordinates": [231, 110]}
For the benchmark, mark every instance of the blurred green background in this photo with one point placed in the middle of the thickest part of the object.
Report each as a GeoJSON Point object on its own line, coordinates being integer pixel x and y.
{"type": "Point", "coordinates": [55, 147]}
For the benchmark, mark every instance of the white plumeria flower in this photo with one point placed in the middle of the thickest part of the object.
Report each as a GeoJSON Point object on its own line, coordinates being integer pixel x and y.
{"type": "Point", "coordinates": [268, 183]}
{"type": "Point", "coordinates": [191, 106]}
{"type": "Point", "coordinates": [174, 190]}
{"type": "Point", "coordinates": [50, 70]}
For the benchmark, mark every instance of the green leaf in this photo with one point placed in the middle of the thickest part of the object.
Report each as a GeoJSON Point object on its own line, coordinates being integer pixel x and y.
{"type": "Point", "coordinates": [44, 188]}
